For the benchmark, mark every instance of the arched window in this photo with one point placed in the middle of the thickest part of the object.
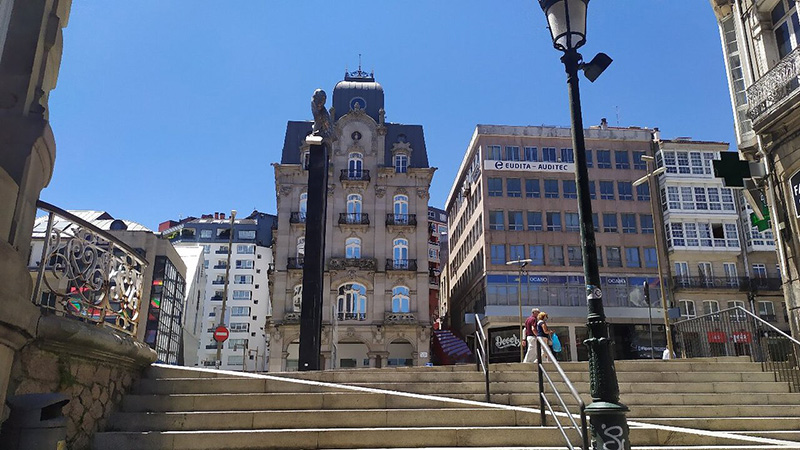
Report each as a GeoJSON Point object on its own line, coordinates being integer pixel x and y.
{"type": "Point", "coordinates": [301, 246]}
{"type": "Point", "coordinates": [297, 298]}
{"type": "Point", "coordinates": [401, 163]}
{"type": "Point", "coordinates": [355, 165]}
{"type": "Point", "coordinates": [401, 300]}
{"type": "Point", "coordinates": [305, 159]}
{"type": "Point", "coordinates": [354, 208]}
{"type": "Point", "coordinates": [352, 248]}
{"type": "Point", "coordinates": [400, 253]}
{"type": "Point", "coordinates": [352, 302]}
{"type": "Point", "coordinates": [303, 205]}
{"type": "Point", "coordinates": [400, 209]}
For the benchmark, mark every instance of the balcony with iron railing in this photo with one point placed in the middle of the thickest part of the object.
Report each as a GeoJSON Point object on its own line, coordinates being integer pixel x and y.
{"type": "Point", "coordinates": [402, 264]}
{"type": "Point", "coordinates": [354, 175]}
{"type": "Point", "coordinates": [685, 282]}
{"type": "Point", "coordinates": [85, 273]}
{"type": "Point", "coordinates": [294, 263]}
{"type": "Point", "coordinates": [765, 284]}
{"type": "Point", "coordinates": [297, 217]}
{"type": "Point", "coordinates": [218, 281]}
{"type": "Point", "coordinates": [368, 264]}
{"type": "Point", "coordinates": [353, 219]}
{"type": "Point", "coordinates": [775, 93]}
{"type": "Point", "coordinates": [401, 220]}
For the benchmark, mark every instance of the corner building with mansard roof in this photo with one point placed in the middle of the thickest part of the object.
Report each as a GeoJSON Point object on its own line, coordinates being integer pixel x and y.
{"type": "Point", "coordinates": [375, 308]}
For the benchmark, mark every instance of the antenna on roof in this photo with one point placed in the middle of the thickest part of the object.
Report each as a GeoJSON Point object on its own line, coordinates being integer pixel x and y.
{"type": "Point", "coordinates": [617, 108]}
{"type": "Point", "coordinates": [359, 62]}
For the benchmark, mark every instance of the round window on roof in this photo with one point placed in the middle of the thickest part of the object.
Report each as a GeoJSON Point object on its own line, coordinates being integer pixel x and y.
{"type": "Point", "coordinates": [358, 102]}
{"type": "Point", "coordinates": [356, 136]}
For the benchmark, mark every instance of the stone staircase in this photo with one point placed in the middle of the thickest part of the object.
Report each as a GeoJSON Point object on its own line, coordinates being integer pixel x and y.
{"type": "Point", "coordinates": [710, 403]}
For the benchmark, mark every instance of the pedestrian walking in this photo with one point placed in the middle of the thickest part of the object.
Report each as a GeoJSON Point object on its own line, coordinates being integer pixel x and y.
{"type": "Point", "coordinates": [529, 337]}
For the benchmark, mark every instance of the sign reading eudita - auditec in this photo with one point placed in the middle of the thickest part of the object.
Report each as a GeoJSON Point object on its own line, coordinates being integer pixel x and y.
{"type": "Point", "coordinates": [530, 166]}
{"type": "Point", "coordinates": [795, 182]}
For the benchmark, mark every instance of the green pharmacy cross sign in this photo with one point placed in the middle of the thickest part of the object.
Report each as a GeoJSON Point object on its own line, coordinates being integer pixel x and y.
{"type": "Point", "coordinates": [731, 169]}
{"type": "Point", "coordinates": [761, 224]}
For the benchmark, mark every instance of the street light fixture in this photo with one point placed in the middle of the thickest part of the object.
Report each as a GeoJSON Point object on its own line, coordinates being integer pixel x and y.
{"type": "Point", "coordinates": [652, 176]}
{"type": "Point", "coordinates": [521, 263]}
{"type": "Point", "coordinates": [567, 23]}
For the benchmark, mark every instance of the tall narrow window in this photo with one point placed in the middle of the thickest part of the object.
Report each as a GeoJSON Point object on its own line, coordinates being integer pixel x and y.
{"type": "Point", "coordinates": [354, 208]}
{"type": "Point", "coordinates": [303, 205]}
{"type": "Point", "coordinates": [355, 165]}
{"type": "Point", "coordinates": [400, 253]}
{"type": "Point", "coordinates": [401, 300]}
{"type": "Point", "coordinates": [400, 209]}
{"type": "Point", "coordinates": [301, 246]}
{"type": "Point", "coordinates": [352, 248]}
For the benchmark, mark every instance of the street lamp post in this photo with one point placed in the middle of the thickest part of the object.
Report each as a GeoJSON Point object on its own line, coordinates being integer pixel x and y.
{"type": "Point", "coordinates": [521, 263]}
{"type": "Point", "coordinates": [567, 23]}
{"type": "Point", "coordinates": [651, 179]}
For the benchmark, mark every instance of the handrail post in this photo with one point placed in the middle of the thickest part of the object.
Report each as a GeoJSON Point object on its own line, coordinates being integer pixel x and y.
{"type": "Point", "coordinates": [541, 382]}
{"type": "Point", "coordinates": [37, 291]}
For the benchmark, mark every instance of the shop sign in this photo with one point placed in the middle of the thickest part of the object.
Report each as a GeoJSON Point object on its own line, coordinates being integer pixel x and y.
{"type": "Point", "coordinates": [530, 166]}
{"type": "Point", "coordinates": [504, 344]}
{"type": "Point", "coordinates": [716, 337]}
{"type": "Point", "coordinates": [795, 182]}
{"type": "Point", "coordinates": [742, 337]}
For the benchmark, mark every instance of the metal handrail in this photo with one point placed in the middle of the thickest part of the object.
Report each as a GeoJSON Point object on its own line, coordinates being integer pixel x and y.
{"type": "Point", "coordinates": [482, 353]}
{"type": "Point", "coordinates": [544, 402]}
{"type": "Point", "coordinates": [730, 331]}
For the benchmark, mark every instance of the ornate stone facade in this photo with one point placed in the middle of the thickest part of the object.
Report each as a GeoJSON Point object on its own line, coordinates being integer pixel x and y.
{"type": "Point", "coordinates": [375, 312]}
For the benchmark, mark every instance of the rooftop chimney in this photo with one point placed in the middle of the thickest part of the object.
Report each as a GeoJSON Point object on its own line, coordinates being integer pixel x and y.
{"type": "Point", "coordinates": [216, 216]}
{"type": "Point", "coordinates": [221, 216]}
{"type": "Point", "coordinates": [603, 123]}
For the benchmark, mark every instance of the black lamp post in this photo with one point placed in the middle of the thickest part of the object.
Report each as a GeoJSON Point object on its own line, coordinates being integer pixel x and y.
{"type": "Point", "coordinates": [567, 22]}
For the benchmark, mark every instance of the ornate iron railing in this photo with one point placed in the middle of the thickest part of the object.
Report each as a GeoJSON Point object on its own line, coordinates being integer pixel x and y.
{"type": "Point", "coordinates": [407, 220]}
{"type": "Point", "coordinates": [764, 284]}
{"type": "Point", "coordinates": [354, 175]}
{"type": "Point", "coordinates": [738, 332]}
{"type": "Point", "coordinates": [544, 402]}
{"type": "Point", "coordinates": [394, 318]}
{"type": "Point", "coordinates": [297, 217]}
{"type": "Point", "coordinates": [775, 88]}
{"type": "Point", "coordinates": [482, 354]}
{"type": "Point", "coordinates": [679, 282]}
{"type": "Point", "coordinates": [401, 264]}
{"type": "Point", "coordinates": [294, 263]}
{"type": "Point", "coordinates": [353, 219]}
{"type": "Point", "coordinates": [85, 272]}
{"type": "Point", "coordinates": [356, 263]}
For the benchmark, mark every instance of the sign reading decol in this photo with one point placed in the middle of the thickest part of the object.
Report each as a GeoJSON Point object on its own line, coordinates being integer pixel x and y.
{"type": "Point", "coordinates": [795, 182]}
{"type": "Point", "coordinates": [530, 166]}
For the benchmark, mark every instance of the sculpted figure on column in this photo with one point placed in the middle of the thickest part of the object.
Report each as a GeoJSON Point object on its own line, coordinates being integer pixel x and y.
{"type": "Point", "coordinates": [323, 126]}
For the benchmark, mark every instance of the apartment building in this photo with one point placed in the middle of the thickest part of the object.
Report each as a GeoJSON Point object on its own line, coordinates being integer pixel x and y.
{"type": "Point", "coordinates": [377, 277]}
{"type": "Point", "coordinates": [248, 304]}
{"type": "Point", "coordinates": [437, 253]}
{"type": "Point", "coordinates": [761, 47]}
{"type": "Point", "coordinates": [717, 260]}
{"type": "Point", "coordinates": [515, 198]}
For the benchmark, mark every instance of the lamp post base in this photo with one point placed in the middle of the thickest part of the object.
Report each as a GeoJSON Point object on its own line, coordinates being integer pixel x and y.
{"type": "Point", "coordinates": [609, 426]}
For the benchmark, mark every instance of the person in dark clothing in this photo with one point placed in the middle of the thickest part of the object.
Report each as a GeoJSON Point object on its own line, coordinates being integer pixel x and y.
{"type": "Point", "coordinates": [530, 336]}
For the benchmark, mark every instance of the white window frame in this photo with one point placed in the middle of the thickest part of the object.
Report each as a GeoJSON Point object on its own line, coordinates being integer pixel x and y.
{"type": "Point", "coordinates": [401, 299]}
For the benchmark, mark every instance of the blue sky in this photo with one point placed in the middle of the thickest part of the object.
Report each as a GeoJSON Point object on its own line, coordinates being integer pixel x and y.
{"type": "Point", "coordinates": [175, 108]}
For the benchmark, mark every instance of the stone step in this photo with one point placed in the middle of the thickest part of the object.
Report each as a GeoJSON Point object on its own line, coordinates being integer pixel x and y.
{"type": "Point", "coordinates": [785, 435]}
{"type": "Point", "coordinates": [221, 385]}
{"type": "Point", "coordinates": [729, 423]}
{"type": "Point", "coordinates": [405, 437]}
{"type": "Point", "coordinates": [277, 401]}
{"type": "Point", "coordinates": [532, 399]}
{"type": "Point", "coordinates": [640, 411]}
{"type": "Point", "coordinates": [672, 365]}
{"type": "Point", "coordinates": [581, 386]}
{"type": "Point", "coordinates": [302, 419]}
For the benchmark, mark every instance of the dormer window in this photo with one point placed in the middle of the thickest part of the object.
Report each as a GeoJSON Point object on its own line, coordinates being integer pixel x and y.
{"type": "Point", "coordinates": [304, 160]}
{"type": "Point", "coordinates": [401, 163]}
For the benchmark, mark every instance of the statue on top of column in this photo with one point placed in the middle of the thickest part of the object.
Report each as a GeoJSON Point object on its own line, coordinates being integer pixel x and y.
{"type": "Point", "coordinates": [323, 125]}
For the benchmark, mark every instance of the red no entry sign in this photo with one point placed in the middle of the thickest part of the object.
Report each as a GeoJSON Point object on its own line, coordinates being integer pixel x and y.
{"type": "Point", "coordinates": [221, 334]}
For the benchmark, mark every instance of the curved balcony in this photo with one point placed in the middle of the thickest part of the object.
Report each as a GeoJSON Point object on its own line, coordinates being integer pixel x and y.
{"type": "Point", "coordinates": [681, 282]}
{"type": "Point", "coordinates": [294, 263]}
{"type": "Point", "coordinates": [297, 217]}
{"type": "Point", "coordinates": [354, 175]}
{"type": "Point", "coordinates": [84, 272]}
{"type": "Point", "coordinates": [409, 265]}
{"type": "Point", "coordinates": [401, 220]}
{"type": "Point", "coordinates": [353, 219]}
{"type": "Point", "coordinates": [776, 93]}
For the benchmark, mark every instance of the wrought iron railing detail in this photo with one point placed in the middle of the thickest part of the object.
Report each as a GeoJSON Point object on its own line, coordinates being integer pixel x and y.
{"type": "Point", "coordinates": [775, 88]}
{"type": "Point", "coordinates": [402, 220]}
{"type": "Point", "coordinates": [353, 219]}
{"type": "Point", "coordinates": [544, 402]}
{"type": "Point", "coordinates": [294, 263]}
{"type": "Point", "coordinates": [765, 284]}
{"type": "Point", "coordinates": [297, 217]}
{"type": "Point", "coordinates": [354, 175]}
{"type": "Point", "coordinates": [738, 332]}
{"type": "Point", "coordinates": [87, 273]}
{"type": "Point", "coordinates": [679, 282]}
{"type": "Point", "coordinates": [482, 354]}
{"type": "Point", "coordinates": [401, 264]}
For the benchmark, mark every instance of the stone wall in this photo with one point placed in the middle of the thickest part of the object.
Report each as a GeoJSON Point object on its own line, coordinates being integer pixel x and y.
{"type": "Point", "coordinates": [93, 366]}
